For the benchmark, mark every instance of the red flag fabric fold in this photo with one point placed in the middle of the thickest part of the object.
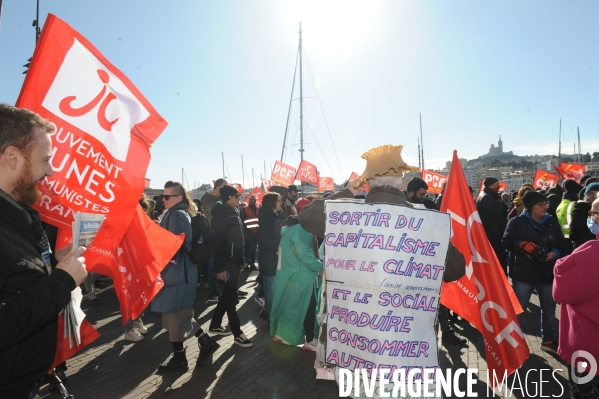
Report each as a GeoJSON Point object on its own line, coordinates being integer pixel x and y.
{"type": "Point", "coordinates": [307, 172]}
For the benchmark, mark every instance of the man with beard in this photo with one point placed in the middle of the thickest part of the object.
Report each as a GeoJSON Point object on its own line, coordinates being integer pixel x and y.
{"type": "Point", "coordinates": [288, 205]}
{"type": "Point", "coordinates": [31, 293]}
{"type": "Point", "coordinates": [417, 193]}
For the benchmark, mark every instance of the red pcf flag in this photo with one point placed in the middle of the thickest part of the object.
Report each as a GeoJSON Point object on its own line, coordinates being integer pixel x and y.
{"type": "Point", "coordinates": [257, 193]}
{"type": "Point", "coordinates": [483, 296]}
{"type": "Point", "coordinates": [571, 171]}
{"type": "Point", "coordinates": [434, 180]}
{"type": "Point", "coordinates": [268, 184]}
{"type": "Point", "coordinates": [544, 180]}
{"type": "Point", "coordinates": [307, 172]}
{"type": "Point", "coordinates": [325, 183]}
{"type": "Point", "coordinates": [283, 174]}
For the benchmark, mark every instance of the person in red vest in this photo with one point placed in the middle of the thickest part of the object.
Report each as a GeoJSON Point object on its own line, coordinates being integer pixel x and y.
{"type": "Point", "coordinates": [249, 217]}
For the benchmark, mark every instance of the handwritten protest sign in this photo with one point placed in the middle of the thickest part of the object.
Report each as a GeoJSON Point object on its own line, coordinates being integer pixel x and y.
{"type": "Point", "coordinates": [384, 268]}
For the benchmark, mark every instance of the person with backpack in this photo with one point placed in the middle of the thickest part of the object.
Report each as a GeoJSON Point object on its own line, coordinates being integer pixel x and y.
{"type": "Point", "coordinates": [175, 300]}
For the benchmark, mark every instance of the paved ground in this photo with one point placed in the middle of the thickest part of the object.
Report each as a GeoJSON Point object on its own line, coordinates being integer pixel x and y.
{"type": "Point", "coordinates": [114, 368]}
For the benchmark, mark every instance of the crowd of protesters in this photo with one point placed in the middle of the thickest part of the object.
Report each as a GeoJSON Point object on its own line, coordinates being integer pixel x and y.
{"type": "Point", "coordinates": [546, 242]}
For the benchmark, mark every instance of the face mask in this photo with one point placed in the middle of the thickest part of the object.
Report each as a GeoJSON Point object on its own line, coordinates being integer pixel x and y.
{"type": "Point", "coordinates": [496, 189]}
{"type": "Point", "coordinates": [594, 227]}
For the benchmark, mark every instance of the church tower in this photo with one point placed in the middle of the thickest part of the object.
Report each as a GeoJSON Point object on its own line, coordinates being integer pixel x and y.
{"type": "Point", "coordinates": [500, 145]}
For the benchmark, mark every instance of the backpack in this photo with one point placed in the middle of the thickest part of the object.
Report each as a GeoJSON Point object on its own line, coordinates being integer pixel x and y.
{"type": "Point", "coordinates": [200, 252]}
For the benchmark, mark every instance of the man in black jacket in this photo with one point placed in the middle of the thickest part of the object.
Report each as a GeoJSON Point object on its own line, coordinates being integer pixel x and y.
{"type": "Point", "coordinates": [228, 258]}
{"type": "Point", "coordinates": [31, 294]}
{"type": "Point", "coordinates": [488, 205]}
{"type": "Point", "coordinates": [536, 240]}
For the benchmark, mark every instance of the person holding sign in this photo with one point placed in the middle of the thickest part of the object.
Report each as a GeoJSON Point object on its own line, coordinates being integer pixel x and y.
{"type": "Point", "coordinates": [31, 294]}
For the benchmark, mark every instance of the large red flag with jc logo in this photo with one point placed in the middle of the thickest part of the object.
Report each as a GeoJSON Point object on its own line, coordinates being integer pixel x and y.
{"type": "Point", "coordinates": [483, 296]}
{"type": "Point", "coordinates": [104, 129]}
{"type": "Point", "coordinates": [307, 172]}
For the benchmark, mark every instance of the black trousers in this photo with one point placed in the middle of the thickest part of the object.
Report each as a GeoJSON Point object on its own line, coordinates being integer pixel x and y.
{"type": "Point", "coordinates": [228, 303]}
{"type": "Point", "coordinates": [310, 316]}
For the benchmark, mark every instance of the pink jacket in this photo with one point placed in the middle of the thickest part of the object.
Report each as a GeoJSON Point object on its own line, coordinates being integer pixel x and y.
{"type": "Point", "coordinates": [576, 288]}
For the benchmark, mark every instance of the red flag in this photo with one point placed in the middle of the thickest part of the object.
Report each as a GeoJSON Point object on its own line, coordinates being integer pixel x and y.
{"type": "Point", "coordinates": [257, 193]}
{"type": "Point", "coordinates": [353, 176]}
{"type": "Point", "coordinates": [237, 187]}
{"type": "Point", "coordinates": [544, 180]}
{"type": "Point", "coordinates": [483, 296]}
{"type": "Point", "coordinates": [283, 174]}
{"type": "Point", "coordinates": [502, 186]}
{"type": "Point", "coordinates": [571, 171]}
{"type": "Point", "coordinates": [307, 172]}
{"type": "Point", "coordinates": [325, 183]}
{"type": "Point", "coordinates": [63, 350]}
{"type": "Point", "coordinates": [434, 180]}
{"type": "Point", "coordinates": [268, 184]}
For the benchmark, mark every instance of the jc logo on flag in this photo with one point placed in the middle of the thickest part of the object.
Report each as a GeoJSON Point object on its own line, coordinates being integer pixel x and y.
{"type": "Point", "coordinates": [90, 97]}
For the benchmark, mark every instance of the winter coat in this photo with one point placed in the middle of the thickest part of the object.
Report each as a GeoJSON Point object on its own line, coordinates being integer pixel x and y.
{"type": "Point", "coordinates": [208, 200]}
{"type": "Point", "coordinates": [313, 219]}
{"type": "Point", "coordinates": [576, 288]}
{"type": "Point", "coordinates": [180, 275]}
{"type": "Point", "coordinates": [287, 209]}
{"type": "Point", "coordinates": [268, 241]}
{"type": "Point", "coordinates": [228, 237]}
{"type": "Point", "coordinates": [30, 301]}
{"type": "Point", "coordinates": [579, 230]}
{"type": "Point", "coordinates": [554, 196]}
{"type": "Point", "coordinates": [525, 228]}
{"type": "Point", "coordinates": [517, 208]}
{"type": "Point", "coordinates": [203, 250]}
{"type": "Point", "coordinates": [488, 205]}
{"type": "Point", "coordinates": [296, 282]}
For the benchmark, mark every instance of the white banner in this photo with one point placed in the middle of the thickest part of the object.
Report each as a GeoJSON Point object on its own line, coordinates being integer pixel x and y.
{"type": "Point", "coordinates": [384, 268]}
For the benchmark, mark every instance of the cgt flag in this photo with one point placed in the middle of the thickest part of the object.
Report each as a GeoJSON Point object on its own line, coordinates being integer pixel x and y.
{"type": "Point", "coordinates": [571, 171]}
{"type": "Point", "coordinates": [483, 296]}
{"type": "Point", "coordinates": [545, 180]}
{"type": "Point", "coordinates": [307, 172]}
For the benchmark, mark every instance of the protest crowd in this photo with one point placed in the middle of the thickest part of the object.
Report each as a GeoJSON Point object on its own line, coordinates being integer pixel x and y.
{"type": "Point", "coordinates": [544, 240]}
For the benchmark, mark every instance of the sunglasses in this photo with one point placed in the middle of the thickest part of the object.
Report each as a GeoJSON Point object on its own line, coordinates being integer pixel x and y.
{"type": "Point", "coordinates": [168, 196]}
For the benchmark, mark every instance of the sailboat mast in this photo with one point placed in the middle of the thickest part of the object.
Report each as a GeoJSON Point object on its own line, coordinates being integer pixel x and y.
{"type": "Point", "coordinates": [301, 96]}
{"type": "Point", "coordinates": [421, 141]}
{"type": "Point", "coordinates": [419, 164]}
{"type": "Point", "coordinates": [223, 157]}
{"type": "Point", "coordinates": [579, 150]}
{"type": "Point", "coordinates": [242, 171]}
{"type": "Point", "coordinates": [559, 151]}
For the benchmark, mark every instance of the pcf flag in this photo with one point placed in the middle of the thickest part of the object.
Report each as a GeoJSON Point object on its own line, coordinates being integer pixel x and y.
{"type": "Point", "coordinates": [545, 180]}
{"type": "Point", "coordinates": [268, 184]}
{"type": "Point", "coordinates": [434, 180]}
{"type": "Point", "coordinates": [283, 174]}
{"type": "Point", "coordinates": [307, 172]}
{"type": "Point", "coordinates": [325, 183]}
{"type": "Point", "coordinates": [483, 296]}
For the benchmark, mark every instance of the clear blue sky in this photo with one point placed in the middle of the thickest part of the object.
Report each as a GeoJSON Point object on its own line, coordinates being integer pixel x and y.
{"type": "Point", "coordinates": [220, 72]}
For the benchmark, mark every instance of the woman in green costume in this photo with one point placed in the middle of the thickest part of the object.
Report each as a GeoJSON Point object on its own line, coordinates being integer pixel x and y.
{"type": "Point", "coordinates": [292, 318]}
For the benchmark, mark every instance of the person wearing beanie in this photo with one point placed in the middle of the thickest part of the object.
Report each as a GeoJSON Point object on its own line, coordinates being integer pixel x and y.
{"type": "Point", "coordinates": [554, 196]}
{"type": "Point", "coordinates": [565, 208]}
{"type": "Point", "coordinates": [578, 226]}
{"type": "Point", "coordinates": [493, 217]}
{"type": "Point", "coordinates": [535, 241]}
{"type": "Point", "coordinates": [228, 260]}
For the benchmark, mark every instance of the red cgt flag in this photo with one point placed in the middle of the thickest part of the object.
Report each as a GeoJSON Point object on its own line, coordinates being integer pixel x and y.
{"type": "Point", "coordinates": [325, 183]}
{"type": "Point", "coordinates": [283, 174]}
{"type": "Point", "coordinates": [257, 193]}
{"type": "Point", "coordinates": [545, 180]}
{"type": "Point", "coordinates": [483, 296]}
{"type": "Point", "coordinates": [434, 180]}
{"type": "Point", "coordinates": [571, 171]}
{"type": "Point", "coordinates": [307, 172]}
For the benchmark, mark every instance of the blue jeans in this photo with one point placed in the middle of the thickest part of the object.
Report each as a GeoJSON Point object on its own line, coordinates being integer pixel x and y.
{"type": "Point", "coordinates": [212, 290]}
{"type": "Point", "coordinates": [268, 282]}
{"type": "Point", "coordinates": [523, 292]}
{"type": "Point", "coordinates": [250, 248]}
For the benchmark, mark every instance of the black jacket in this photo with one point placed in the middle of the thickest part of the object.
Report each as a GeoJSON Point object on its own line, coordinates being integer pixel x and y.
{"type": "Point", "coordinates": [579, 230]}
{"type": "Point", "coordinates": [228, 237]}
{"type": "Point", "coordinates": [488, 205]}
{"type": "Point", "coordinates": [200, 230]}
{"type": "Point", "coordinates": [30, 301]}
{"type": "Point", "coordinates": [268, 241]}
{"type": "Point", "coordinates": [524, 228]}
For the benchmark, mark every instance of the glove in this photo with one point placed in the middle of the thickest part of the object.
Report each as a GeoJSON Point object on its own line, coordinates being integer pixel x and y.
{"type": "Point", "coordinates": [527, 246]}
